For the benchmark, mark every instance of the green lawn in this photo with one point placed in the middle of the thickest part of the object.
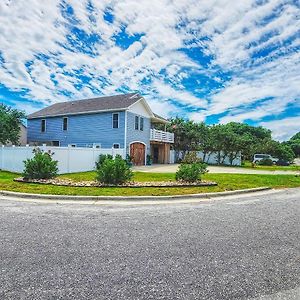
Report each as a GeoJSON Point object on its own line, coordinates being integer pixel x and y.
{"type": "Point", "coordinates": [225, 182]}
{"type": "Point", "coordinates": [247, 164]}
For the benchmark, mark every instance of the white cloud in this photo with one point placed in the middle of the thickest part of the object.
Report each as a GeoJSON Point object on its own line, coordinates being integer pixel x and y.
{"type": "Point", "coordinates": [283, 129]}
{"type": "Point", "coordinates": [39, 60]}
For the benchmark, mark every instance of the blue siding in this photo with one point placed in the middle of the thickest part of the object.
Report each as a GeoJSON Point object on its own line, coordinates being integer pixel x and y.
{"type": "Point", "coordinates": [82, 130]}
{"type": "Point", "coordinates": [137, 135]}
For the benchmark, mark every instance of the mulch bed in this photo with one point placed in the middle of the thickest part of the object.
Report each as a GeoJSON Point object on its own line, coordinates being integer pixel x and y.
{"type": "Point", "coordinates": [132, 184]}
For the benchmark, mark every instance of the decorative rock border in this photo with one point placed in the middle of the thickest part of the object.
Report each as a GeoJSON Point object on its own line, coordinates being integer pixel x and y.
{"type": "Point", "coordinates": [160, 184]}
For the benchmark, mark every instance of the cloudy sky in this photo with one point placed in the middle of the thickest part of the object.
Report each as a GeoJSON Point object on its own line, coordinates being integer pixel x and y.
{"type": "Point", "coordinates": [215, 61]}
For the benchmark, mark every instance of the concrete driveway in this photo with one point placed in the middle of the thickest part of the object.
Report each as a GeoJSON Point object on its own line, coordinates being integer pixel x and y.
{"type": "Point", "coordinates": [212, 169]}
{"type": "Point", "coordinates": [242, 247]}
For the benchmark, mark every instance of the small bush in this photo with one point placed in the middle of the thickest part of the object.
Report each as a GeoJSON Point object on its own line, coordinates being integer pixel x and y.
{"type": "Point", "coordinates": [41, 166]}
{"type": "Point", "coordinates": [191, 172]}
{"type": "Point", "coordinates": [191, 158]}
{"type": "Point", "coordinates": [266, 162]}
{"type": "Point", "coordinates": [114, 171]}
{"type": "Point", "coordinates": [101, 159]}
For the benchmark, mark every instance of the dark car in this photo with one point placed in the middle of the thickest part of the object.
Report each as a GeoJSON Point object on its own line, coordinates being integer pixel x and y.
{"type": "Point", "coordinates": [282, 162]}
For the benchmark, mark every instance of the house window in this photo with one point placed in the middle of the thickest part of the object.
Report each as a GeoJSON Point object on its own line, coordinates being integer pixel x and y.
{"type": "Point", "coordinates": [43, 125]}
{"type": "Point", "coordinates": [116, 120]}
{"type": "Point", "coordinates": [55, 143]}
{"type": "Point", "coordinates": [141, 123]}
{"type": "Point", "coordinates": [116, 146]}
{"type": "Point", "coordinates": [72, 145]}
{"type": "Point", "coordinates": [136, 123]}
{"type": "Point", "coordinates": [96, 145]}
{"type": "Point", "coordinates": [65, 124]}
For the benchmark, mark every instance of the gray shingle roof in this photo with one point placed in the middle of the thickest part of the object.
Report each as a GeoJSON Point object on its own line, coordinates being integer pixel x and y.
{"type": "Point", "coordinates": [117, 102]}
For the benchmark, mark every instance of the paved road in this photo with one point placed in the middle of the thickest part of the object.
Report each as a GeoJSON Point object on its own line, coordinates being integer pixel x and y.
{"type": "Point", "coordinates": [246, 247]}
{"type": "Point", "coordinates": [212, 169]}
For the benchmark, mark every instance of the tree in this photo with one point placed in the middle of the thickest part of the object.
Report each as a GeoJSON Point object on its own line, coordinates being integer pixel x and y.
{"type": "Point", "coordinates": [276, 149]}
{"type": "Point", "coordinates": [187, 134]}
{"type": "Point", "coordinates": [251, 136]}
{"type": "Point", "coordinates": [10, 121]}
{"type": "Point", "coordinates": [294, 143]}
{"type": "Point", "coordinates": [296, 136]}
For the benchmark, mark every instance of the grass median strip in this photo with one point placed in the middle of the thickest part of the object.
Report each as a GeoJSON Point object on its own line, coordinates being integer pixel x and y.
{"type": "Point", "coordinates": [226, 182]}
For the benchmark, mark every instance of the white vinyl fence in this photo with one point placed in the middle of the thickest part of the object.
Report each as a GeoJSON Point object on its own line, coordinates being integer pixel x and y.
{"type": "Point", "coordinates": [70, 160]}
{"type": "Point", "coordinates": [211, 158]}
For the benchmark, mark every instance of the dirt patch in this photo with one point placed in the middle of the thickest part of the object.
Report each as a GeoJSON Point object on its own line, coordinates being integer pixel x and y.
{"type": "Point", "coordinates": [132, 184]}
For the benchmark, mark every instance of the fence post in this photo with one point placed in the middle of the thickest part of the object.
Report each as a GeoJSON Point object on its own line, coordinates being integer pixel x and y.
{"type": "Point", "coordinates": [2, 155]}
{"type": "Point", "coordinates": [94, 147]}
{"type": "Point", "coordinates": [68, 158]}
{"type": "Point", "coordinates": [44, 147]}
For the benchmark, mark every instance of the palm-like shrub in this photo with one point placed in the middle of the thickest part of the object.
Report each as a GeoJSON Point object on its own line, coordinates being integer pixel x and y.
{"type": "Point", "coordinates": [113, 171]}
{"type": "Point", "coordinates": [41, 166]}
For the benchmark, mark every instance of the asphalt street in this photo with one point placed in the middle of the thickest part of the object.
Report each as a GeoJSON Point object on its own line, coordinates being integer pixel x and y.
{"type": "Point", "coordinates": [239, 247]}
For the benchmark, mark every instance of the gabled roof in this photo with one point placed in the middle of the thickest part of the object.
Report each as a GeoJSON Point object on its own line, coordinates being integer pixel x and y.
{"type": "Point", "coordinates": [110, 103]}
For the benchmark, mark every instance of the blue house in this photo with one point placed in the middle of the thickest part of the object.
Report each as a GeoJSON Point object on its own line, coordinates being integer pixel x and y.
{"type": "Point", "coordinates": [120, 121]}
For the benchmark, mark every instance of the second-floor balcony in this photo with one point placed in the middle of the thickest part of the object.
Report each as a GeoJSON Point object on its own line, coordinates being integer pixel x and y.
{"type": "Point", "coordinates": [161, 136]}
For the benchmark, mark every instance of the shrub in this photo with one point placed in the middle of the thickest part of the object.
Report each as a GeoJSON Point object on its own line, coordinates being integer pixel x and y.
{"type": "Point", "coordinates": [114, 171]}
{"type": "Point", "coordinates": [266, 162]}
{"type": "Point", "coordinates": [101, 159]}
{"type": "Point", "coordinates": [191, 172]}
{"type": "Point", "coordinates": [129, 160]}
{"type": "Point", "coordinates": [41, 166]}
{"type": "Point", "coordinates": [191, 158]}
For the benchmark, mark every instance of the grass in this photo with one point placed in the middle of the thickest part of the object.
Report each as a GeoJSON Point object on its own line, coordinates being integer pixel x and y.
{"type": "Point", "coordinates": [225, 182]}
{"type": "Point", "coordinates": [247, 164]}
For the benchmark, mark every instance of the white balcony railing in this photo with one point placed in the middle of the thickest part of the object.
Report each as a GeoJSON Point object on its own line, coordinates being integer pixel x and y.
{"type": "Point", "coordinates": [161, 136]}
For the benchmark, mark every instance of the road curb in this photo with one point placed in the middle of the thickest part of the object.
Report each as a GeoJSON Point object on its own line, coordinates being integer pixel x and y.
{"type": "Point", "coordinates": [131, 198]}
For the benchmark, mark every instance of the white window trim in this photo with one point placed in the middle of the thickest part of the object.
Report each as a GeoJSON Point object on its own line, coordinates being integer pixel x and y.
{"type": "Point", "coordinates": [45, 125]}
{"type": "Point", "coordinates": [116, 144]}
{"type": "Point", "coordinates": [67, 124]}
{"type": "Point", "coordinates": [112, 125]}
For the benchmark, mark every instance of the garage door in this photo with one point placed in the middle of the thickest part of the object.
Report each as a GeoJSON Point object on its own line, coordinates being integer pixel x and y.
{"type": "Point", "coordinates": [137, 152]}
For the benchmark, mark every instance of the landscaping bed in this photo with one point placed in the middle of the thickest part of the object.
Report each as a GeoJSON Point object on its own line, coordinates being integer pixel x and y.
{"type": "Point", "coordinates": [131, 184]}
{"type": "Point", "coordinates": [226, 182]}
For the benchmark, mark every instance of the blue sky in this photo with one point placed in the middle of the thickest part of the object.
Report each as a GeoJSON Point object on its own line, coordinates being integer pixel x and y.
{"type": "Point", "coordinates": [213, 61]}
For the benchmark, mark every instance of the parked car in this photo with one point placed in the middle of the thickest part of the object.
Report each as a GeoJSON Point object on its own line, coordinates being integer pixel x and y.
{"type": "Point", "coordinates": [258, 157]}
{"type": "Point", "coordinates": [282, 162]}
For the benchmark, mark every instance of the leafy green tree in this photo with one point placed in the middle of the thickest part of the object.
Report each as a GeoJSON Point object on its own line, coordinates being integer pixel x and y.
{"type": "Point", "coordinates": [10, 121]}
{"type": "Point", "coordinates": [294, 143]}
{"type": "Point", "coordinates": [296, 136]}
{"type": "Point", "coordinates": [276, 149]}
{"type": "Point", "coordinates": [187, 134]}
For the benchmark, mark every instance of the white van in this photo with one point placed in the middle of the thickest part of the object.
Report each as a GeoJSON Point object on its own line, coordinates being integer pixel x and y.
{"type": "Point", "coordinates": [258, 157]}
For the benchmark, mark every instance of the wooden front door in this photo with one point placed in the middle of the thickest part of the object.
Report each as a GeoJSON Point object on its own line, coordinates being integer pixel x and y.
{"type": "Point", "coordinates": [137, 152]}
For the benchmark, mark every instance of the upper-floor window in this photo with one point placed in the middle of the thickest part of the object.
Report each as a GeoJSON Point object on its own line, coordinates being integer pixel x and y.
{"type": "Point", "coordinates": [136, 123]}
{"type": "Point", "coordinates": [141, 123]}
{"type": "Point", "coordinates": [43, 125]}
{"type": "Point", "coordinates": [65, 123]}
{"type": "Point", "coordinates": [115, 120]}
